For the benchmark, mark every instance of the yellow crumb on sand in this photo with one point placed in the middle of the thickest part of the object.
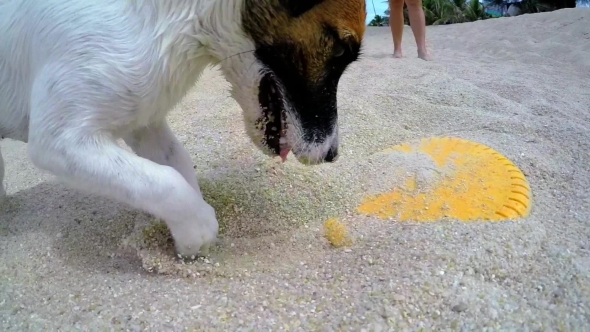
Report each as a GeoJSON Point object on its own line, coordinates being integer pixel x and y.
{"type": "Point", "coordinates": [336, 233]}
{"type": "Point", "coordinates": [474, 183]}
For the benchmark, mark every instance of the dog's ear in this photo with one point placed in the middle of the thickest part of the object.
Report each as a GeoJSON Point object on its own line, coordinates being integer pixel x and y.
{"type": "Point", "coordinates": [299, 7]}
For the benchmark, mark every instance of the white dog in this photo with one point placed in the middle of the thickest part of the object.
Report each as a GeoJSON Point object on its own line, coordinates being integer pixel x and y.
{"type": "Point", "coordinates": [76, 75]}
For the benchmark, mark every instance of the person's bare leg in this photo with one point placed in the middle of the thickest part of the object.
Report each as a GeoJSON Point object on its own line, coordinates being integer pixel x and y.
{"type": "Point", "coordinates": [396, 23]}
{"type": "Point", "coordinates": [418, 24]}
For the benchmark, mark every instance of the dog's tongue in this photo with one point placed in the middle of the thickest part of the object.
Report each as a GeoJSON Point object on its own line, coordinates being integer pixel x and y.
{"type": "Point", "coordinates": [284, 147]}
{"type": "Point", "coordinates": [284, 152]}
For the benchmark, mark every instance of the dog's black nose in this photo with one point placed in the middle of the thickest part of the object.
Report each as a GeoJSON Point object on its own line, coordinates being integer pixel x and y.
{"type": "Point", "coordinates": [332, 155]}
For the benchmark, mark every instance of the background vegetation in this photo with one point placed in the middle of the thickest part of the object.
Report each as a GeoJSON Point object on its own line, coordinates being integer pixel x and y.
{"type": "Point", "coordinates": [460, 11]}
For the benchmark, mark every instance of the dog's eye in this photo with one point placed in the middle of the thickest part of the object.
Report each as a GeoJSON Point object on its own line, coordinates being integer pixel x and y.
{"type": "Point", "coordinates": [338, 50]}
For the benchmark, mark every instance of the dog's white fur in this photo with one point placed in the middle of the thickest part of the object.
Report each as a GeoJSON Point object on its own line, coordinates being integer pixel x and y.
{"type": "Point", "coordinates": [75, 75]}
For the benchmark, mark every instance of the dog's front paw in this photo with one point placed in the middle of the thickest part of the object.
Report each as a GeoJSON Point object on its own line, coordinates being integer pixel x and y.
{"type": "Point", "coordinates": [198, 236]}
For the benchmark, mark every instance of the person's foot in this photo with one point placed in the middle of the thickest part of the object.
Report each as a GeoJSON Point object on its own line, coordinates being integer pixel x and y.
{"type": "Point", "coordinates": [397, 54]}
{"type": "Point", "coordinates": [424, 55]}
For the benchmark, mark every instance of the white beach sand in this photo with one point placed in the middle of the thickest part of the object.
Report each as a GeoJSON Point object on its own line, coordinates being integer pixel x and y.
{"type": "Point", "coordinates": [68, 261]}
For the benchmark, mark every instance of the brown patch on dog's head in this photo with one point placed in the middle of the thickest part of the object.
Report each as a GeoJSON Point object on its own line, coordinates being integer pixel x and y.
{"type": "Point", "coordinates": [316, 29]}
{"type": "Point", "coordinates": [304, 47]}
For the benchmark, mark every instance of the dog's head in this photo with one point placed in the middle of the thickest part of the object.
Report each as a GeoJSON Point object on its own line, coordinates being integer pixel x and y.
{"type": "Point", "coordinates": [285, 68]}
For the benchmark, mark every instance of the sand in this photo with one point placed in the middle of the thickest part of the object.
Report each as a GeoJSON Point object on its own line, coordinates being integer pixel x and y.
{"type": "Point", "coordinates": [70, 261]}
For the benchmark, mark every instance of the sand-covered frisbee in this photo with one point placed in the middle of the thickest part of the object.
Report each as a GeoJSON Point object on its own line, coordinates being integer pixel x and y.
{"type": "Point", "coordinates": [461, 180]}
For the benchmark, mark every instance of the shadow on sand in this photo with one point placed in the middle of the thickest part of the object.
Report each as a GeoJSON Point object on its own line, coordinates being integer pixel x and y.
{"type": "Point", "coordinates": [86, 231]}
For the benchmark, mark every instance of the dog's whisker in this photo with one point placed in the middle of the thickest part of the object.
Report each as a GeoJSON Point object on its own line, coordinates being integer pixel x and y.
{"type": "Point", "coordinates": [240, 53]}
{"type": "Point", "coordinates": [237, 54]}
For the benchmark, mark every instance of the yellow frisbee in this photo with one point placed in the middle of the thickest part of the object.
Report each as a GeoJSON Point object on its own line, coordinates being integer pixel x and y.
{"type": "Point", "coordinates": [474, 182]}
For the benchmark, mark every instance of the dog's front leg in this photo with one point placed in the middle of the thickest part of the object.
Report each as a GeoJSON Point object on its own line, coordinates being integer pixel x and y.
{"type": "Point", "coordinates": [158, 144]}
{"type": "Point", "coordinates": [93, 162]}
